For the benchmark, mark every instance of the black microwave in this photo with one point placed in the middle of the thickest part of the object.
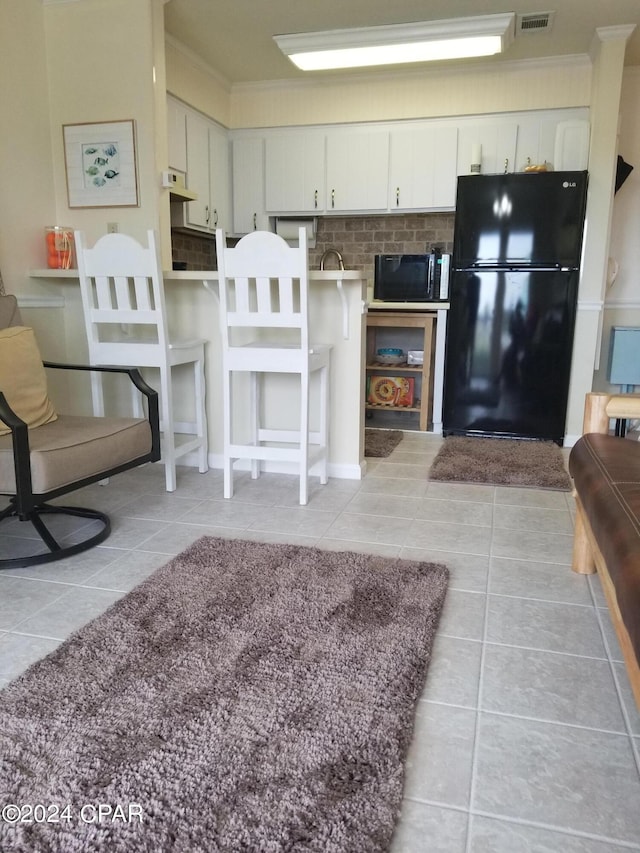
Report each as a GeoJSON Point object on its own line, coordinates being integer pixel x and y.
{"type": "Point", "coordinates": [412, 278]}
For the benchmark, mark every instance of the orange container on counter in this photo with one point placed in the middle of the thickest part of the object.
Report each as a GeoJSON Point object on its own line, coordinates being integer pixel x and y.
{"type": "Point", "coordinates": [59, 247]}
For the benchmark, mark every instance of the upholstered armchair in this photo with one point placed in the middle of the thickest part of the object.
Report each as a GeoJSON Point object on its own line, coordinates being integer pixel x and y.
{"type": "Point", "coordinates": [45, 454]}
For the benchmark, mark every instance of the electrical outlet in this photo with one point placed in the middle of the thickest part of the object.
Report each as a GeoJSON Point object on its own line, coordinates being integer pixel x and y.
{"type": "Point", "coordinates": [112, 227]}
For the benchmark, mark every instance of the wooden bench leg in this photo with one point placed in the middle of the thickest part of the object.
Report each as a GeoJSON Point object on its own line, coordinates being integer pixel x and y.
{"type": "Point", "coordinates": [582, 560]}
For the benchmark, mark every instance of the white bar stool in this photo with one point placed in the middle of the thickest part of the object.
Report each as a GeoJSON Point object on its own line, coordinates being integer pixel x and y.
{"type": "Point", "coordinates": [126, 323]}
{"type": "Point", "coordinates": [264, 288]}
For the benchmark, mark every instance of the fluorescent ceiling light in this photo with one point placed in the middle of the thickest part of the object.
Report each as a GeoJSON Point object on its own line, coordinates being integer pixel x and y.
{"type": "Point", "coordinates": [399, 43]}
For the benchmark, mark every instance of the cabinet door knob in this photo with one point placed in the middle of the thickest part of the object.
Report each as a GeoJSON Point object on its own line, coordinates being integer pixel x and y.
{"type": "Point", "coordinates": [397, 196]}
{"type": "Point", "coordinates": [207, 215]}
{"type": "Point", "coordinates": [215, 217]}
{"type": "Point", "coordinates": [315, 199]}
{"type": "Point", "coordinates": [255, 221]}
{"type": "Point", "coordinates": [333, 198]}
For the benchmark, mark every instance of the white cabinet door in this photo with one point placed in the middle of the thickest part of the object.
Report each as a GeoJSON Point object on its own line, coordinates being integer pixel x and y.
{"type": "Point", "coordinates": [422, 172]}
{"type": "Point", "coordinates": [198, 213]}
{"type": "Point", "coordinates": [536, 141]}
{"type": "Point", "coordinates": [219, 179]}
{"type": "Point", "coordinates": [357, 170]}
{"type": "Point", "coordinates": [208, 175]}
{"type": "Point", "coordinates": [177, 134]}
{"type": "Point", "coordinates": [571, 145]}
{"type": "Point", "coordinates": [560, 141]}
{"type": "Point", "coordinates": [295, 172]}
{"type": "Point", "coordinates": [498, 144]}
{"type": "Point", "coordinates": [248, 185]}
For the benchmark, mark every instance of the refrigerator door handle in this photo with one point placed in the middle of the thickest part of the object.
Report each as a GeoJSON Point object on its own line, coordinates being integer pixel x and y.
{"type": "Point", "coordinates": [506, 267]}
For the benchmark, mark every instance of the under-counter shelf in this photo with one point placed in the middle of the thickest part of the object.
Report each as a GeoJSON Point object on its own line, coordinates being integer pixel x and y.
{"type": "Point", "coordinates": [376, 365]}
{"type": "Point", "coordinates": [403, 320]}
{"type": "Point", "coordinates": [383, 407]}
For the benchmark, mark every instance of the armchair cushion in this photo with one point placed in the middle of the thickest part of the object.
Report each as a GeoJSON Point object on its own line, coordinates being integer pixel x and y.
{"type": "Point", "coordinates": [74, 447]}
{"type": "Point", "coordinates": [22, 378]}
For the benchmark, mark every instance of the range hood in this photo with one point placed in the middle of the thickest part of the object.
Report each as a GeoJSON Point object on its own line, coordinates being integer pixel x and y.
{"type": "Point", "coordinates": [182, 194]}
{"type": "Point", "coordinates": [174, 181]}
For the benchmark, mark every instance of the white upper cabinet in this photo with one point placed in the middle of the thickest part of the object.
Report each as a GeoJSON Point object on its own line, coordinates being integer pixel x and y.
{"type": "Point", "coordinates": [295, 172]}
{"type": "Point", "coordinates": [497, 143]}
{"type": "Point", "coordinates": [220, 215]}
{"type": "Point", "coordinates": [248, 185]}
{"type": "Point", "coordinates": [422, 167]}
{"type": "Point", "coordinates": [198, 213]}
{"type": "Point", "coordinates": [571, 145]}
{"type": "Point", "coordinates": [177, 134]}
{"type": "Point", "coordinates": [208, 174]}
{"type": "Point", "coordinates": [357, 170]}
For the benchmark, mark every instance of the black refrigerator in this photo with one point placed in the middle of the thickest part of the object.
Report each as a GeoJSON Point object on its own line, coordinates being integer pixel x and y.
{"type": "Point", "coordinates": [513, 292]}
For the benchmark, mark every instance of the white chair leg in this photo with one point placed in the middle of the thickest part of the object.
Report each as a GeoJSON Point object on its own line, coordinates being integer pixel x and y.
{"type": "Point", "coordinates": [136, 402]}
{"type": "Point", "coordinates": [97, 403]}
{"type": "Point", "coordinates": [324, 425]}
{"type": "Point", "coordinates": [254, 419]}
{"type": "Point", "coordinates": [304, 438]}
{"type": "Point", "coordinates": [227, 426]}
{"type": "Point", "coordinates": [168, 434]}
{"type": "Point", "coordinates": [97, 395]}
{"type": "Point", "coordinates": [201, 416]}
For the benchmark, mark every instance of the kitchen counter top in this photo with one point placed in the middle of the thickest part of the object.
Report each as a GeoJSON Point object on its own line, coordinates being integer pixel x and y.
{"type": "Point", "coordinates": [209, 275]}
{"type": "Point", "coordinates": [337, 306]}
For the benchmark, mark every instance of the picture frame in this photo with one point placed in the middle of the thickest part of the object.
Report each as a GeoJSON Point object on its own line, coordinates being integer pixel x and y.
{"type": "Point", "coordinates": [100, 164]}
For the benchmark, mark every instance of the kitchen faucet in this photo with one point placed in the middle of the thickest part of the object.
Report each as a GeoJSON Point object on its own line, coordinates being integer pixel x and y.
{"type": "Point", "coordinates": [326, 254]}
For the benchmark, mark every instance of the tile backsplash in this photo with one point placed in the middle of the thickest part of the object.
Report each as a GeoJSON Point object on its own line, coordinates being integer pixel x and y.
{"type": "Point", "coordinates": [357, 238]}
{"type": "Point", "coordinates": [197, 251]}
{"type": "Point", "coordinates": [360, 238]}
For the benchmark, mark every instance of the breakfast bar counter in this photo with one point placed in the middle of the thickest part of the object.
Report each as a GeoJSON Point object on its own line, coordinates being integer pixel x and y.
{"type": "Point", "coordinates": [337, 311]}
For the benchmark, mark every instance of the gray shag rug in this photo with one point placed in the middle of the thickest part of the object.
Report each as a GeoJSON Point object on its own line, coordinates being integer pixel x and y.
{"type": "Point", "coordinates": [245, 697]}
{"type": "Point", "coordinates": [501, 461]}
{"type": "Point", "coordinates": [381, 442]}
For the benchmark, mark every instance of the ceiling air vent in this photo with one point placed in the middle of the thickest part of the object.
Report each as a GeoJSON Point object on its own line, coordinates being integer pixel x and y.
{"type": "Point", "coordinates": [535, 22]}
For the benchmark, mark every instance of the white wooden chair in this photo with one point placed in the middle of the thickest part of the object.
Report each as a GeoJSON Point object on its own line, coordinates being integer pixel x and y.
{"type": "Point", "coordinates": [126, 324]}
{"type": "Point", "coordinates": [264, 288]}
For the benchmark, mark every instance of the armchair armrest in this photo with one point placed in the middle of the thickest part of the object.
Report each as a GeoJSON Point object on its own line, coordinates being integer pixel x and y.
{"type": "Point", "coordinates": [601, 407]}
{"type": "Point", "coordinates": [132, 372]}
{"type": "Point", "coordinates": [20, 440]}
{"type": "Point", "coordinates": [136, 377]}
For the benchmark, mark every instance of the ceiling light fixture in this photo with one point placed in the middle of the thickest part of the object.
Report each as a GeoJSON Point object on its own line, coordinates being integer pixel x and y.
{"type": "Point", "coordinates": [399, 43]}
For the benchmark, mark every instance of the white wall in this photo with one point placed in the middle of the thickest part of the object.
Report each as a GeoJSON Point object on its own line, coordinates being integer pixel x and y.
{"type": "Point", "coordinates": [100, 61]}
{"type": "Point", "coordinates": [189, 79]}
{"type": "Point", "coordinates": [476, 89]}
{"type": "Point", "coordinates": [622, 302]}
{"type": "Point", "coordinates": [26, 164]}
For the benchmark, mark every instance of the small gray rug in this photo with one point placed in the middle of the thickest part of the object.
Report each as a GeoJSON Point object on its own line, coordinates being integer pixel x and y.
{"type": "Point", "coordinates": [381, 442]}
{"type": "Point", "coordinates": [245, 697]}
{"type": "Point", "coordinates": [501, 461]}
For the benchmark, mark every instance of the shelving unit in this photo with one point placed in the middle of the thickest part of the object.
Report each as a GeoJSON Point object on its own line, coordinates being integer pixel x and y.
{"type": "Point", "coordinates": [403, 320]}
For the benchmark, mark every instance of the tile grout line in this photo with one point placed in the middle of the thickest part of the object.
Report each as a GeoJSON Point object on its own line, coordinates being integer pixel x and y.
{"type": "Point", "coordinates": [476, 732]}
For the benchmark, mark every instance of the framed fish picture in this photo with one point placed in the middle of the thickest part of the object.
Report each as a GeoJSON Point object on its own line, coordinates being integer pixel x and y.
{"type": "Point", "coordinates": [100, 163]}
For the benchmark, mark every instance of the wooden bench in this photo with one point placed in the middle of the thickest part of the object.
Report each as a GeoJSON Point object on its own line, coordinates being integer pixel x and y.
{"type": "Point", "coordinates": [606, 476]}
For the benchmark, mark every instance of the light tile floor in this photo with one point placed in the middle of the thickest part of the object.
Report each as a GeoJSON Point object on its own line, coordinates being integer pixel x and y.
{"type": "Point", "coordinates": [526, 736]}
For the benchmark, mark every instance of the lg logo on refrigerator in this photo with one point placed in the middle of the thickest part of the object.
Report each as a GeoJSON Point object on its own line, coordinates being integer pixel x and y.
{"type": "Point", "coordinates": [567, 184]}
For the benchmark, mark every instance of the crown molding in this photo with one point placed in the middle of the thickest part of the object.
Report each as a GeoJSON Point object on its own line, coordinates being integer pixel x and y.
{"type": "Point", "coordinates": [612, 33]}
{"type": "Point", "coordinates": [432, 72]}
{"type": "Point", "coordinates": [197, 61]}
